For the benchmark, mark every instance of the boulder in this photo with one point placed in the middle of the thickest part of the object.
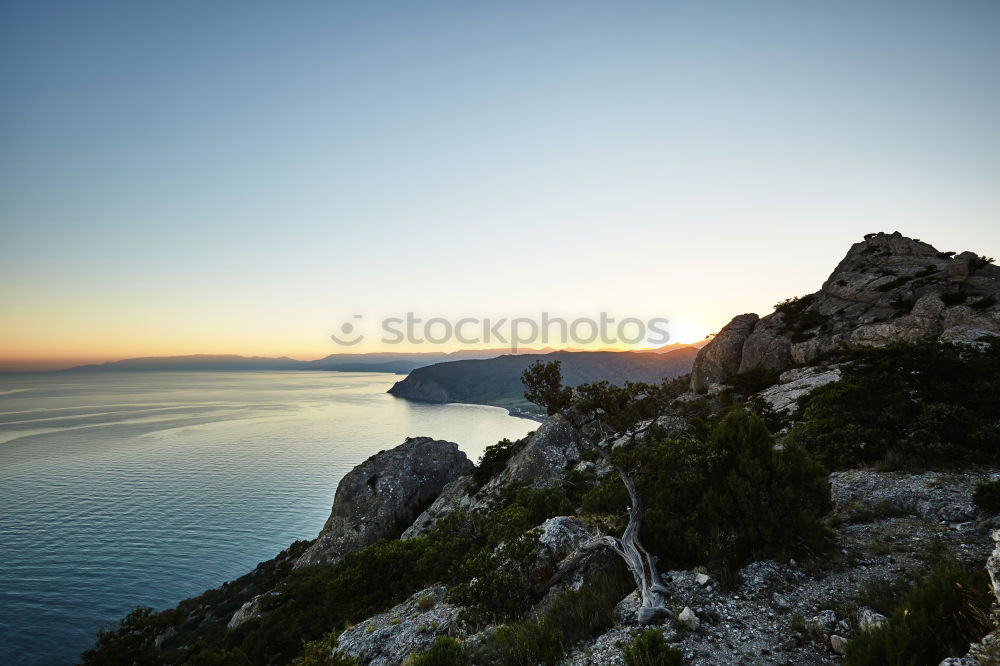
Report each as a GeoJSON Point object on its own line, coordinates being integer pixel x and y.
{"type": "Point", "coordinates": [721, 357]}
{"type": "Point", "coordinates": [389, 638]}
{"type": "Point", "coordinates": [541, 462]}
{"type": "Point", "coordinates": [793, 384]}
{"type": "Point", "coordinates": [869, 618]}
{"type": "Point", "coordinates": [384, 494]}
{"type": "Point", "coordinates": [768, 346]}
{"type": "Point", "coordinates": [688, 618]}
{"type": "Point", "coordinates": [251, 610]}
{"type": "Point", "coordinates": [823, 623]}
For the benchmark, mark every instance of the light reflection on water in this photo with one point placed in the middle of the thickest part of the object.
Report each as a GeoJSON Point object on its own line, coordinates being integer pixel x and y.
{"type": "Point", "coordinates": [145, 488]}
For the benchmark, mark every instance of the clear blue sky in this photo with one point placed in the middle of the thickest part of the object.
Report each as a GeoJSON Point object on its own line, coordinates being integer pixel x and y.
{"type": "Point", "coordinates": [240, 177]}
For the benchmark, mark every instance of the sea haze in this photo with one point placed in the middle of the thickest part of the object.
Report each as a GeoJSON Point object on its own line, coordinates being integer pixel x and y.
{"type": "Point", "coordinates": [118, 490]}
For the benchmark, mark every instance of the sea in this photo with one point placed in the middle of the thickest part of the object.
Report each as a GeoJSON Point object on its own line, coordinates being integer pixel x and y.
{"type": "Point", "coordinates": [145, 488]}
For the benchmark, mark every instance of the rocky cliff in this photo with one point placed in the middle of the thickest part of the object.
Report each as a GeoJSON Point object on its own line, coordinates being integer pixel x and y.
{"type": "Point", "coordinates": [383, 495]}
{"type": "Point", "coordinates": [887, 288]}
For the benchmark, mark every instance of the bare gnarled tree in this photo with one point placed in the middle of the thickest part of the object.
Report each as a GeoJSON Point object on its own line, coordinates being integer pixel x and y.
{"type": "Point", "coordinates": [625, 411]}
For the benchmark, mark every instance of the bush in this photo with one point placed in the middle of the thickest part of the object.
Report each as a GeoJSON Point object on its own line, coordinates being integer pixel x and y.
{"type": "Point", "coordinates": [799, 318]}
{"type": "Point", "coordinates": [131, 641]}
{"type": "Point", "coordinates": [493, 461]}
{"type": "Point", "coordinates": [940, 616]}
{"type": "Point", "coordinates": [575, 615]}
{"type": "Point", "coordinates": [323, 653]}
{"type": "Point", "coordinates": [987, 497]}
{"type": "Point", "coordinates": [754, 380]}
{"type": "Point", "coordinates": [649, 648]}
{"type": "Point", "coordinates": [923, 403]}
{"type": "Point", "coordinates": [444, 652]}
{"type": "Point", "coordinates": [723, 502]}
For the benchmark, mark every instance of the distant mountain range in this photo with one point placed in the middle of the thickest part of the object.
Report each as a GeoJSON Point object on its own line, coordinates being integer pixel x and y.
{"type": "Point", "coordinates": [497, 381]}
{"type": "Point", "coordinates": [397, 362]}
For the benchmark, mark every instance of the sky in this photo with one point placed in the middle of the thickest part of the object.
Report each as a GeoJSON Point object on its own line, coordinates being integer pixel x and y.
{"type": "Point", "coordinates": [245, 177]}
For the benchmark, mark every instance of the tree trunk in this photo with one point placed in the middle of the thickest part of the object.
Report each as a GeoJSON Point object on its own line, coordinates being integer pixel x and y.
{"type": "Point", "coordinates": [652, 593]}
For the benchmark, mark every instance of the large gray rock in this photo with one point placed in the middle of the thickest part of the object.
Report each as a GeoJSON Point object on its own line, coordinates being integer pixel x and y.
{"type": "Point", "coordinates": [793, 384]}
{"type": "Point", "coordinates": [389, 638]}
{"type": "Point", "coordinates": [886, 289]}
{"type": "Point", "coordinates": [251, 610]}
{"type": "Point", "coordinates": [767, 346]}
{"type": "Point", "coordinates": [540, 463]}
{"type": "Point", "coordinates": [384, 494]}
{"type": "Point", "coordinates": [721, 357]}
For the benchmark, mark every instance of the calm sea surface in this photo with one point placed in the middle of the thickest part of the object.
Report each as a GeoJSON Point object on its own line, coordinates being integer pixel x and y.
{"type": "Point", "coordinates": [118, 490]}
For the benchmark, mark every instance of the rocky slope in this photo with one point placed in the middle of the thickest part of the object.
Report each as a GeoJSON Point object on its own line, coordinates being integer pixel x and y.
{"type": "Point", "coordinates": [887, 288]}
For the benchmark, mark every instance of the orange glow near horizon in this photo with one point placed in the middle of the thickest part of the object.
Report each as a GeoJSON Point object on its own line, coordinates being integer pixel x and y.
{"type": "Point", "coordinates": [55, 352]}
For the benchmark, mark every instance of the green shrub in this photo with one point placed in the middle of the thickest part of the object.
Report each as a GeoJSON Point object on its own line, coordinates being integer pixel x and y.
{"type": "Point", "coordinates": [323, 653]}
{"type": "Point", "coordinates": [987, 496]}
{"type": "Point", "coordinates": [131, 641]}
{"type": "Point", "coordinates": [444, 652]}
{"type": "Point", "coordinates": [922, 404]}
{"type": "Point", "coordinates": [723, 502]}
{"type": "Point", "coordinates": [799, 318]}
{"type": "Point", "coordinates": [752, 381]}
{"type": "Point", "coordinates": [649, 648]}
{"type": "Point", "coordinates": [493, 461]}
{"type": "Point", "coordinates": [575, 615]}
{"type": "Point", "coordinates": [939, 617]}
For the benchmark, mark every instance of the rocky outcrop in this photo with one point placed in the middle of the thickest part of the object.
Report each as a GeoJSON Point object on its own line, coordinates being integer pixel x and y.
{"type": "Point", "coordinates": [541, 462]}
{"type": "Point", "coordinates": [793, 384]}
{"type": "Point", "coordinates": [943, 497]}
{"type": "Point", "coordinates": [721, 357]}
{"type": "Point", "coordinates": [389, 638]}
{"type": "Point", "coordinates": [384, 494]}
{"type": "Point", "coordinates": [251, 610]}
{"type": "Point", "coordinates": [887, 288]}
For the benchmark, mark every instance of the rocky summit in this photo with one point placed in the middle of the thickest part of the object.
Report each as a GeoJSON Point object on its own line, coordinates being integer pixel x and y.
{"type": "Point", "coordinates": [888, 288]}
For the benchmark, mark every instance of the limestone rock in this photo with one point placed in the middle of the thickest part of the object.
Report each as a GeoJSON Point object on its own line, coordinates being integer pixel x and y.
{"type": "Point", "coordinates": [823, 623]}
{"type": "Point", "coordinates": [251, 610]}
{"type": "Point", "coordinates": [869, 618]}
{"type": "Point", "coordinates": [384, 492]}
{"type": "Point", "coordinates": [768, 346]}
{"type": "Point", "coordinates": [720, 358]}
{"type": "Point", "coordinates": [540, 463]}
{"type": "Point", "coordinates": [838, 643]}
{"type": "Point", "coordinates": [688, 618]}
{"type": "Point", "coordinates": [389, 638]}
{"type": "Point", "coordinates": [783, 397]}
{"type": "Point", "coordinates": [627, 610]}
{"type": "Point", "coordinates": [887, 288]}
{"type": "Point", "coordinates": [560, 536]}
